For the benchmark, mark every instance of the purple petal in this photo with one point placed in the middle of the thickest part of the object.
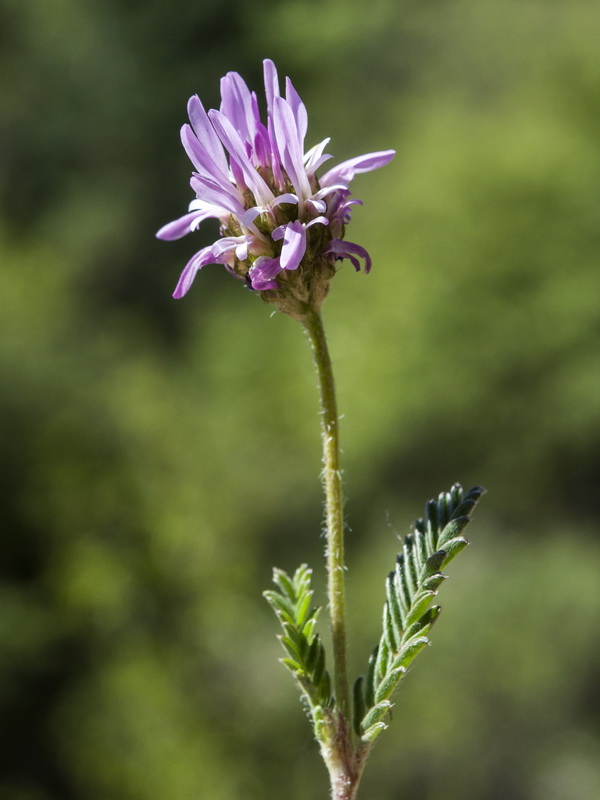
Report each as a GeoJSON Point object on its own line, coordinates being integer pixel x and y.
{"type": "Point", "coordinates": [262, 147]}
{"type": "Point", "coordinates": [318, 221]}
{"type": "Point", "coordinates": [262, 273]}
{"type": "Point", "coordinates": [294, 243]}
{"type": "Point", "coordinates": [346, 171]}
{"type": "Point", "coordinates": [206, 135]}
{"type": "Point", "coordinates": [214, 194]}
{"type": "Point", "coordinates": [247, 221]}
{"type": "Point", "coordinates": [288, 197]}
{"type": "Point", "coordinates": [201, 259]}
{"type": "Point", "coordinates": [192, 147]}
{"type": "Point", "coordinates": [298, 110]}
{"type": "Point", "coordinates": [290, 148]}
{"type": "Point", "coordinates": [231, 139]}
{"type": "Point", "coordinates": [181, 227]}
{"type": "Point", "coordinates": [275, 156]}
{"type": "Point", "coordinates": [204, 163]}
{"type": "Point", "coordinates": [271, 83]}
{"type": "Point", "coordinates": [224, 250]}
{"type": "Point", "coordinates": [317, 205]}
{"type": "Point", "coordinates": [314, 157]}
{"type": "Point", "coordinates": [239, 107]}
{"type": "Point", "coordinates": [341, 249]}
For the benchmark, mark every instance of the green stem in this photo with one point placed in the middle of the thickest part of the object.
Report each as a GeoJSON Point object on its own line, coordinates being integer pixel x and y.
{"type": "Point", "coordinates": [334, 514]}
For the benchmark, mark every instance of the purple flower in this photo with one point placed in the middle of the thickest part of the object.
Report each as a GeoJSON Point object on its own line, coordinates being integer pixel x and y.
{"type": "Point", "coordinates": [282, 228]}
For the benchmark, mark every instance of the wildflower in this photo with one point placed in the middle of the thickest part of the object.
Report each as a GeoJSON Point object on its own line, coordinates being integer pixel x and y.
{"type": "Point", "coordinates": [282, 228]}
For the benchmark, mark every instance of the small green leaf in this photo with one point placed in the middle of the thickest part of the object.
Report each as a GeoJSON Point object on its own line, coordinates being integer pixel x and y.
{"type": "Point", "coordinates": [373, 732]}
{"type": "Point", "coordinates": [468, 502]}
{"type": "Point", "coordinates": [382, 658]}
{"type": "Point", "coordinates": [298, 637]}
{"type": "Point", "coordinates": [376, 714]}
{"type": "Point", "coordinates": [396, 616]}
{"type": "Point", "coordinates": [388, 630]}
{"type": "Point", "coordinates": [325, 691]}
{"type": "Point", "coordinates": [389, 683]}
{"type": "Point", "coordinates": [420, 604]}
{"type": "Point", "coordinates": [292, 649]}
{"type": "Point", "coordinates": [281, 607]}
{"type": "Point", "coordinates": [308, 629]}
{"type": "Point", "coordinates": [453, 548]}
{"type": "Point", "coordinates": [431, 584]}
{"type": "Point", "coordinates": [290, 664]}
{"type": "Point", "coordinates": [370, 687]}
{"type": "Point", "coordinates": [319, 667]}
{"type": "Point", "coordinates": [434, 563]}
{"type": "Point", "coordinates": [430, 617]}
{"type": "Point", "coordinates": [453, 529]}
{"type": "Point", "coordinates": [312, 655]}
{"type": "Point", "coordinates": [360, 707]}
{"type": "Point", "coordinates": [411, 632]}
{"type": "Point", "coordinates": [302, 609]}
{"type": "Point", "coordinates": [410, 651]}
{"type": "Point", "coordinates": [402, 592]}
{"type": "Point", "coordinates": [432, 517]}
{"type": "Point", "coordinates": [410, 578]}
{"type": "Point", "coordinates": [283, 582]}
{"type": "Point", "coordinates": [306, 655]}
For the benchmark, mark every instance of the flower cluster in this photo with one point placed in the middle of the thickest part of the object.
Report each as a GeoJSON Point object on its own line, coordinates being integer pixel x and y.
{"type": "Point", "coordinates": [281, 227]}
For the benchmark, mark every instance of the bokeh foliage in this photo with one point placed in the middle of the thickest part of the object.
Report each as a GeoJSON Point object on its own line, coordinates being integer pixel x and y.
{"type": "Point", "coordinates": [159, 457]}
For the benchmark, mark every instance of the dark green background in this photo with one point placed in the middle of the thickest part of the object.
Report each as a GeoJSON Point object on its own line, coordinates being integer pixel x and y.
{"type": "Point", "coordinates": [159, 457]}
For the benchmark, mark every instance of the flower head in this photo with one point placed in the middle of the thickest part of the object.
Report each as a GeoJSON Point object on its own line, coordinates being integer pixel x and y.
{"type": "Point", "coordinates": [282, 228]}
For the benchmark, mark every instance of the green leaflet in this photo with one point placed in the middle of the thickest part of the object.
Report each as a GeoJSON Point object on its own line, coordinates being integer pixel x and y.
{"type": "Point", "coordinates": [305, 652]}
{"type": "Point", "coordinates": [408, 614]}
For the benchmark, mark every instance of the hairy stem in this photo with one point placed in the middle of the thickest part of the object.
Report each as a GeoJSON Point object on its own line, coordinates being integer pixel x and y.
{"type": "Point", "coordinates": [334, 515]}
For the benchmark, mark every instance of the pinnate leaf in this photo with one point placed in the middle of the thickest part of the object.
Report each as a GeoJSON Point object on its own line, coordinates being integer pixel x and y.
{"type": "Point", "coordinates": [408, 614]}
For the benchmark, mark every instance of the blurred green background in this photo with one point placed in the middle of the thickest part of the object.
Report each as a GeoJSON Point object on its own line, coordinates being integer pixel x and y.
{"type": "Point", "coordinates": [159, 457]}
